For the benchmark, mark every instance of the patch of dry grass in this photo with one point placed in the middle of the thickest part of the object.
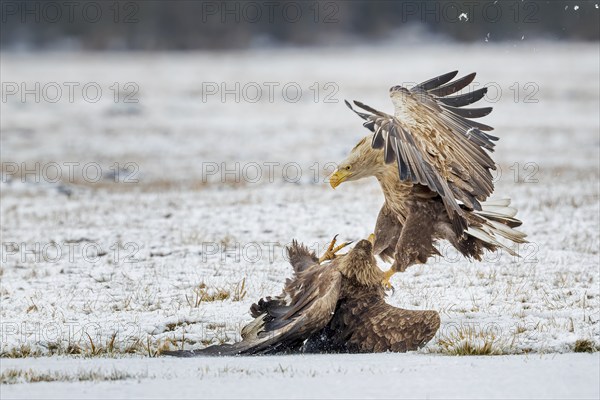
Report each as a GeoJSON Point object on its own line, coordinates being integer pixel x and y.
{"type": "Point", "coordinates": [148, 346]}
{"type": "Point", "coordinates": [585, 346]}
{"type": "Point", "coordinates": [14, 376]}
{"type": "Point", "coordinates": [467, 340]}
{"type": "Point", "coordinates": [202, 293]}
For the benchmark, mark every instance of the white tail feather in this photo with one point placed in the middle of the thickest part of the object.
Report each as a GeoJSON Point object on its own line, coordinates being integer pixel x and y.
{"type": "Point", "coordinates": [494, 212]}
{"type": "Point", "coordinates": [480, 234]}
{"type": "Point", "coordinates": [503, 211]}
{"type": "Point", "coordinates": [508, 232]}
{"type": "Point", "coordinates": [497, 202]}
{"type": "Point", "coordinates": [496, 215]}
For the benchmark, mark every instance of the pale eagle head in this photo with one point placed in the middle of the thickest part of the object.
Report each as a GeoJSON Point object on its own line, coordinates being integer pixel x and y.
{"type": "Point", "coordinates": [362, 162]}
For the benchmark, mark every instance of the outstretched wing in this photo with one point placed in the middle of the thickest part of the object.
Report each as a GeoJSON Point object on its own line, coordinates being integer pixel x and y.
{"type": "Point", "coordinates": [387, 328]}
{"type": "Point", "coordinates": [285, 322]}
{"type": "Point", "coordinates": [436, 143]}
{"type": "Point", "coordinates": [300, 256]}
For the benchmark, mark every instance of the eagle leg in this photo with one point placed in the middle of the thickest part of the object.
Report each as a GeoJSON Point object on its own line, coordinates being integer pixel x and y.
{"type": "Point", "coordinates": [387, 234]}
{"type": "Point", "coordinates": [415, 244]}
{"type": "Point", "coordinates": [386, 279]}
{"type": "Point", "coordinates": [331, 251]}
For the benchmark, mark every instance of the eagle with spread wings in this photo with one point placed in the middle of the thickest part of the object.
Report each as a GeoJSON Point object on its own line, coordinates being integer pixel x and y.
{"type": "Point", "coordinates": [433, 163]}
{"type": "Point", "coordinates": [336, 306]}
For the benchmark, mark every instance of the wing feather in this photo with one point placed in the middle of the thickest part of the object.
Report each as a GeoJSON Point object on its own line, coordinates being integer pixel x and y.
{"type": "Point", "coordinates": [383, 328]}
{"type": "Point", "coordinates": [306, 306]}
{"type": "Point", "coordinates": [464, 99]}
{"type": "Point", "coordinates": [453, 87]}
{"type": "Point", "coordinates": [469, 112]}
{"type": "Point", "coordinates": [437, 81]}
{"type": "Point", "coordinates": [436, 143]}
{"type": "Point", "coordinates": [378, 140]}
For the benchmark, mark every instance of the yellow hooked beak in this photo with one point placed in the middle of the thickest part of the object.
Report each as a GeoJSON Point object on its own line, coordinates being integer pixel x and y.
{"type": "Point", "coordinates": [371, 239]}
{"type": "Point", "coordinates": [339, 176]}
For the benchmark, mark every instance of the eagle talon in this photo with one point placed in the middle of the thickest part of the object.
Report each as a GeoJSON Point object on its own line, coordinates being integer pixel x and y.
{"type": "Point", "coordinates": [386, 279]}
{"type": "Point", "coordinates": [331, 251]}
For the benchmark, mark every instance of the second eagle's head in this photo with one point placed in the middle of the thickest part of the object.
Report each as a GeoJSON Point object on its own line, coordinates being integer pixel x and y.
{"type": "Point", "coordinates": [360, 264]}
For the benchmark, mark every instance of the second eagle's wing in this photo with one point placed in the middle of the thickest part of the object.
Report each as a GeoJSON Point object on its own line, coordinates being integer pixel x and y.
{"type": "Point", "coordinates": [387, 328]}
{"type": "Point", "coordinates": [436, 143]}
{"type": "Point", "coordinates": [300, 256]}
{"type": "Point", "coordinates": [283, 323]}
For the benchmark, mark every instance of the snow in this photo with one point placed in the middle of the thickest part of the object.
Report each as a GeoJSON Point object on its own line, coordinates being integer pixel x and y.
{"type": "Point", "coordinates": [334, 376]}
{"type": "Point", "coordinates": [84, 261]}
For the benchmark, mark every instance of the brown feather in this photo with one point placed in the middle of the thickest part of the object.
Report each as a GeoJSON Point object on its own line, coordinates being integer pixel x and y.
{"type": "Point", "coordinates": [347, 290]}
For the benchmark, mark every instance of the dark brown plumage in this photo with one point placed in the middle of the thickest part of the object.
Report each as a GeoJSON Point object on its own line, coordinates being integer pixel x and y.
{"type": "Point", "coordinates": [333, 307]}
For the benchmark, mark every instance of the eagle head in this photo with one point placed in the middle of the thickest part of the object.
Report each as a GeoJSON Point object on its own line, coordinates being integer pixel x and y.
{"type": "Point", "coordinates": [362, 162]}
{"type": "Point", "coordinates": [365, 247]}
{"type": "Point", "coordinates": [360, 264]}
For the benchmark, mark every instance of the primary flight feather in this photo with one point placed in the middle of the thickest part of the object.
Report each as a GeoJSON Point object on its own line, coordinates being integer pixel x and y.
{"type": "Point", "coordinates": [434, 166]}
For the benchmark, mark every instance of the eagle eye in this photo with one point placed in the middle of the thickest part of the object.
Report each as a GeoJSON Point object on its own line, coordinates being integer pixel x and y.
{"type": "Point", "coordinates": [348, 167]}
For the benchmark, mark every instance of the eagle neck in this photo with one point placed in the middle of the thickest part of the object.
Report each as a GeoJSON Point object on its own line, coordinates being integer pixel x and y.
{"type": "Point", "coordinates": [394, 190]}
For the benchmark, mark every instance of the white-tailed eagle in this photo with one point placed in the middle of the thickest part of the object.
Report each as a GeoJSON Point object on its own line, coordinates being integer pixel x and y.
{"type": "Point", "coordinates": [329, 307]}
{"type": "Point", "coordinates": [433, 164]}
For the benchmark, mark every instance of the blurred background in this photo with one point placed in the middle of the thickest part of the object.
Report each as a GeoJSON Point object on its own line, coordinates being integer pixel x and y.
{"type": "Point", "coordinates": [170, 71]}
{"type": "Point", "coordinates": [194, 25]}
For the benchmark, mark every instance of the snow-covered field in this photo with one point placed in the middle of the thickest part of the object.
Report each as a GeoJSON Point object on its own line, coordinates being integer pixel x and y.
{"type": "Point", "coordinates": [376, 376]}
{"type": "Point", "coordinates": [171, 214]}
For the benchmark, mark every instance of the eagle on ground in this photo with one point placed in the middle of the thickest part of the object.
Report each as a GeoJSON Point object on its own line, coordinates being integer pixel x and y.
{"type": "Point", "coordinates": [433, 164]}
{"type": "Point", "coordinates": [336, 306]}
